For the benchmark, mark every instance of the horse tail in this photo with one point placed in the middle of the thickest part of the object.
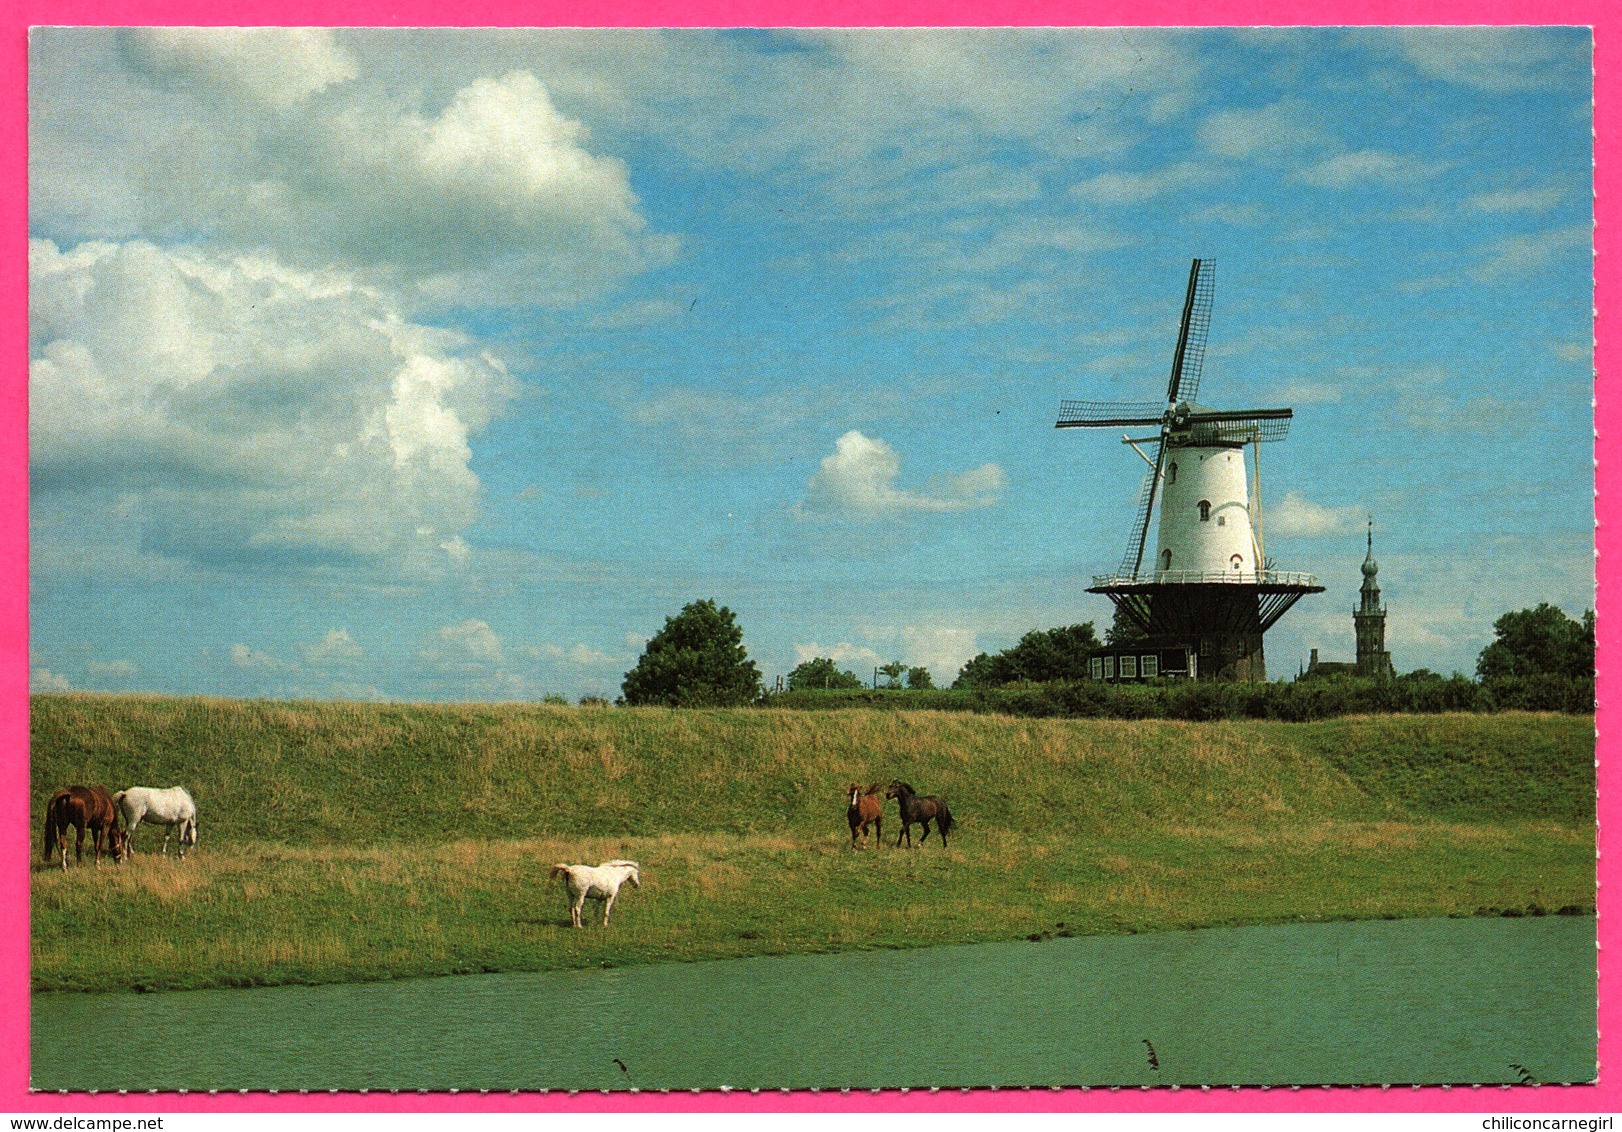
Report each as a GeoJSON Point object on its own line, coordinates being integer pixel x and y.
{"type": "Point", "coordinates": [51, 824]}
{"type": "Point", "coordinates": [945, 820]}
{"type": "Point", "coordinates": [558, 871]}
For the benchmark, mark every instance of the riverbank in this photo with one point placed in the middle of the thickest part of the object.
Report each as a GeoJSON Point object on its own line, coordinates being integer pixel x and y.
{"type": "Point", "coordinates": [355, 842]}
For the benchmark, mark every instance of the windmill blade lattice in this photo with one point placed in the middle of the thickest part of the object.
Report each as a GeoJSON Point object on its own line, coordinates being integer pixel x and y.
{"type": "Point", "coordinates": [1133, 558]}
{"type": "Point", "coordinates": [1109, 414]}
{"type": "Point", "coordinates": [1188, 362]}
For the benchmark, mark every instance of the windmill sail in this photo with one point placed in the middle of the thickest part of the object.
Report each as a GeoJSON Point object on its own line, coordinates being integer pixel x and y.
{"type": "Point", "coordinates": [1109, 414]}
{"type": "Point", "coordinates": [1189, 360]}
{"type": "Point", "coordinates": [1133, 558]}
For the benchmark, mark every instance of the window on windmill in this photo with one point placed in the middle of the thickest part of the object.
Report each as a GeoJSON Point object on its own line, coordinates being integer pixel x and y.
{"type": "Point", "coordinates": [1171, 473]}
{"type": "Point", "coordinates": [1165, 560]}
{"type": "Point", "coordinates": [1205, 510]}
{"type": "Point", "coordinates": [1237, 561]}
{"type": "Point", "coordinates": [1222, 520]}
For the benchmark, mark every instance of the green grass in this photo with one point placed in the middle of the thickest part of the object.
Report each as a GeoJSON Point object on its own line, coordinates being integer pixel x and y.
{"type": "Point", "coordinates": [343, 842]}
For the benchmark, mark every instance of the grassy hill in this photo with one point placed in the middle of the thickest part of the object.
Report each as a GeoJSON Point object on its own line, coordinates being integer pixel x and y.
{"type": "Point", "coordinates": [344, 841]}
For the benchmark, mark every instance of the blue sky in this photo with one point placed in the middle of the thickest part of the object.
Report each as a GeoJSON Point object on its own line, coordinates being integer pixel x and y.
{"type": "Point", "coordinates": [447, 364]}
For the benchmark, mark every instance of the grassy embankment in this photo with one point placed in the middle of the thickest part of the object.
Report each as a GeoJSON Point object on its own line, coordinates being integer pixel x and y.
{"type": "Point", "coordinates": [346, 842]}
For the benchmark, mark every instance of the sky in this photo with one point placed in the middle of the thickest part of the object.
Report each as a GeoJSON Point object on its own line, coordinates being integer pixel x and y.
{"type": "Point", "coordinates": [446, 365]}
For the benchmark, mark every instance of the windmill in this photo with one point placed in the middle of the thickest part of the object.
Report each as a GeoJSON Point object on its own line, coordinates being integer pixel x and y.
{"type": "Point", "coordinates": [1210, 590]}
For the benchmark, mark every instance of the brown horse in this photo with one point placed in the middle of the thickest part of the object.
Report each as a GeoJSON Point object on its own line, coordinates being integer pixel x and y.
{"type": "Point", "coordinates": [82, 807]}
{"type": "Point", "coordinates": [865, 809]}
{"type": "Point", "coordinates": [920, 810]}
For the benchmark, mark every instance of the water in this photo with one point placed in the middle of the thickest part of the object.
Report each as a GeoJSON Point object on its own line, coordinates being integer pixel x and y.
{"type": "Point", "coordinates": [1383, 1002]}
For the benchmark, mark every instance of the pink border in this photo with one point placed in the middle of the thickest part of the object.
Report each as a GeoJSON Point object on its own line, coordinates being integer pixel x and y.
{"type": "Point", "coordinates": [16, 843]}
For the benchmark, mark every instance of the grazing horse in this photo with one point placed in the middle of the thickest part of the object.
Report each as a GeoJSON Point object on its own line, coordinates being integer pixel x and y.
{"type": "Point", "coordinates": [920, 810]}
{"type": "Point", "coordinates": [865, 809]}
{"type": "Point", "coordinates": [601, 884]}
{"type": "Point", "coordinates": [82, 807]}
{"type": "Point", "coordinates": [168, 808]}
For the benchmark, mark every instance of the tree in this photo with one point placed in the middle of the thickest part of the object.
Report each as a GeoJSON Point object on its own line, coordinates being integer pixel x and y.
{"type": "Point", "coordinates": [893, 673]}
{"type": "Point", "coordinates": [1123, 630]}
{"type": "Point", "coordinates": [696, 660]}
{"type": "Point", "coordinates": [977, 673]}
{"type": "Point", "coordinates": [1539, 642]}
{"type": "Point", "coordinates": [919, 678]}
{"type": "Point", "coordinates": [1041, 656]}
{"type": "Point", "coordinates": [1053, 654]}
{"type": "Point", "coordinates": [821, 672]}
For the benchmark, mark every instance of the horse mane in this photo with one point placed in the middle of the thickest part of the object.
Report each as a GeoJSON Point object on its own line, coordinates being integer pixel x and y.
{"type": "Point", "coordinates": [874, 789]}
{"type": "Point", "coordinates": [619, 864]}
{"type": "Point", "coordinates": [907, 786]}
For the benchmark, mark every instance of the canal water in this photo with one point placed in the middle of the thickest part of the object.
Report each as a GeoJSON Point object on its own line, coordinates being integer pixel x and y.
{"type": "Point", "coordinates": [1429, 1001]}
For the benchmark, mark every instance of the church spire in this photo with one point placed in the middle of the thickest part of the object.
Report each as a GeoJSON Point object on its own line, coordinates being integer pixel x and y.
{"type": "Point", "coordinates": [1369, 619]}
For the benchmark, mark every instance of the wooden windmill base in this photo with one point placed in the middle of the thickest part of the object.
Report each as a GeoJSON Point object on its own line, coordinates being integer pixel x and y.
{"type": "Point", "coordinates": [1221, 623]}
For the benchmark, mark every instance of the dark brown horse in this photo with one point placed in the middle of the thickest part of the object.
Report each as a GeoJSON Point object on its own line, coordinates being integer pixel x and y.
{"type": "Point", "coordinates": [865, 809]}
{"type": "Point", "coordinates": [82, 807]}
{"type": "Point", "coordinates": [921, 810]}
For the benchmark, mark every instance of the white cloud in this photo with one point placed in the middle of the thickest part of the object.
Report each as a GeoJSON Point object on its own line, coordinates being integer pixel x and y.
{"type": "Point", "coordinates": [1299, 517]}
{"type": "Point", "coordinates": [1124, 188]}
{"type": "Point", "coordinates": [1244, 133]}
{"type": "Point", "coordinates": [579, 653]}
{"type": "Point", "coordinates": [44, 680]}
{"type": "Point", "coordinates": [497, 192]}
{"type": "Point", "coordinates": [1516, 200]}
{"type": "Point", "coordinates": [587, 656]}
{"type": "Point", "coordinates": [1522, 255]}
{"type": "Point", "coordinates": [843, 653]}
{"type": "Point", "coordinates": [1308, 393]}
{"type": "Point", "coordinates": [859, 479]}
{"type": "Point", "coordinates": [1012, 82]}
{"type": "Point", "coordinates": [468, 641]}
{"type": "Point", "coordinates": [244, 657]}
{"type": "Point", "coordinates": [274, 141]}
{"type": "Point", "coordinates": [942, 650]}
{"type": "Point", "coordinates": [1366, 167]}
{"type": "Point", "coordinates": [1239, 215]}
{"type": "Point", "coordinates": [249, 411]}
{"type": "Point", "coordinates": [457, 550]}
{"type": "Point", "coordinates": [1497, 59]}
{"type": "Point", "coordinates": [278, 66]}
{"type": "Point", "coordinates": [336, 647]}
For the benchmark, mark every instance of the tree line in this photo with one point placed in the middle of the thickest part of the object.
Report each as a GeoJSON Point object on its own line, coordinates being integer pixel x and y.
{"type": "Point", "coordinates": [1539, 660]}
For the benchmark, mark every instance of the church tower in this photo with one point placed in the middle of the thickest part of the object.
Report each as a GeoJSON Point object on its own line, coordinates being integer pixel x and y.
{"type": "Point", "coordinates": [1369, 619]}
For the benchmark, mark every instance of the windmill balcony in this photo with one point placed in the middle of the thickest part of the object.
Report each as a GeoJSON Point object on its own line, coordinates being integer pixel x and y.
{"type": "Point", "coordinates": [1208, 577]}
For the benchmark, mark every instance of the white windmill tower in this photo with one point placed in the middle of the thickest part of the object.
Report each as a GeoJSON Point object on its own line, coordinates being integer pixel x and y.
{"type": "Point", "coordinates": [1209, 588]}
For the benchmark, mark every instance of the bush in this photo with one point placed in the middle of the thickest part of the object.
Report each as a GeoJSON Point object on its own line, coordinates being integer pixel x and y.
{"type": "Point", "coordinates": [1542, 692]}
{"type": "Point", "coordinates": [1301, 701]}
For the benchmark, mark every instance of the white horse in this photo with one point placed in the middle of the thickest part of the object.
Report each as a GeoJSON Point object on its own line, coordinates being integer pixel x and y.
{"type": "Point", "coordinates": [168, 808]}
{"type": "Point", "coordinates": [601, 884]}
